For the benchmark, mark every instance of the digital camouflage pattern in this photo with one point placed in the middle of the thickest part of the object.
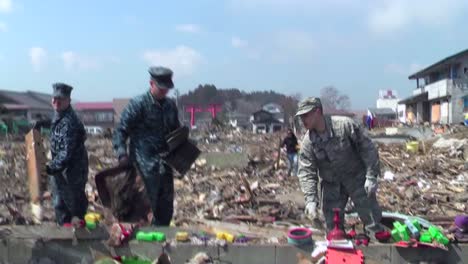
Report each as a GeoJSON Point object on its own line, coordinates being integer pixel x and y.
{"type": "Point", "coordinates": [342, 156]}
{"type": "Point", "coordinates": [146, 122]}
{"type": "Point", "coordinates": [69, 166]}
{"type": "Point", "coordinates": [308, 105]}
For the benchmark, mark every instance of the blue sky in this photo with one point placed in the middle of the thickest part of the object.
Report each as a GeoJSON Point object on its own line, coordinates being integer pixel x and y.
{"type": "Point", "coordinates": [103, 48]}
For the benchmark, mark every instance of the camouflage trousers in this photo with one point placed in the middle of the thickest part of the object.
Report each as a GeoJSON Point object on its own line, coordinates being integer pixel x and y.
{"type": "Point", "coordinates": [159, 185]}
{"type": "Point", "coordinates": [336, 195]}
{"type": "Point", "coordinates": [68, 198]}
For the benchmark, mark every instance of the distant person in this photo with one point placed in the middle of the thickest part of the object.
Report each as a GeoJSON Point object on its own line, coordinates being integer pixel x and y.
{"type": "Point", "coordinates": [146, 121]}
{"type": "Point", "coordinates": [69, 165]}
{"type": "Point", "coordinates": [370, 120]}
{"type": "Point", "coordinates": [291, 144]}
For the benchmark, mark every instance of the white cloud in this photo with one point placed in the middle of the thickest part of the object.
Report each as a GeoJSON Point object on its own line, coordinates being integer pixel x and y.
{"type": "Point", "coordinates": [5, 6]}
{"type": "Point", "coordinates": [75, 61]}
{"type": "Point", "coordinates": [38, 58]}
{"type": "Point", "coordinates": [3, 27]}
{"type": "Point", "coordinates": [395, 68]}
{"type": "Point", "coordinates": [239, 43]}
{"type": "Point", "coordinates": [182, 60]}
{"type": "Point", "coordinates": [188, 28]}
{"type": "Point", "coordinates": [394, 15]}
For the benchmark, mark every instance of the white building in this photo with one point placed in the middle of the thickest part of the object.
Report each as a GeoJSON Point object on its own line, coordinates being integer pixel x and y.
{"type": "Point", "coordinates": [276, 110]}
{"type": "Point", "coordinates": [401, 111]}
{"type": "Point", "coordinates": [388, 99]}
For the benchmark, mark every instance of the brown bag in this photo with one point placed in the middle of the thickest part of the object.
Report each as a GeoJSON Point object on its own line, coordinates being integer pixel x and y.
{"type": "Point", "coordinates": [119, 190]}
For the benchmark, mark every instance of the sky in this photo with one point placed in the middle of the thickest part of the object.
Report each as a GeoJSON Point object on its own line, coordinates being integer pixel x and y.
{"type": "Point", "coordinates": [104, 48]}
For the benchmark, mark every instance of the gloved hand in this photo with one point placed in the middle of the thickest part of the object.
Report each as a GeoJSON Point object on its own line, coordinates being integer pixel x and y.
{"type": "Point", "coordinates": [370, 185]}
{"type": "Point", "coordinates": [311, 210]}
{"type": "Point", "coordinates": [50, 171]}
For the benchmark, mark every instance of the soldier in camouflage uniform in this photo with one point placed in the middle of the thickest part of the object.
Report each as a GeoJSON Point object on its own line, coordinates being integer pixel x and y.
{"type": "Point", "coordinates": [146, 121]}
{"type": "Point", "coordinates": [340, 152]}
{"type": "Point", "coordinates": [68, 168]}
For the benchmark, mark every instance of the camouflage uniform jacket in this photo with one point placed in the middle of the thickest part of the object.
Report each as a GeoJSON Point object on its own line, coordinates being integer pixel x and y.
{"type": "Point", "coordinates": [343, 150]}
{"type": "Point", "coordinates": [146, 122]}
{"type": "Point", "coordinates": [67, 138]}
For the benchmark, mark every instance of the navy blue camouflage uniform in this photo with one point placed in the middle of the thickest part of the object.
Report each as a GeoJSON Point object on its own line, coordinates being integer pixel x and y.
{"type": "Point", "coordinates": [146, 122]}
{"type": "Point", "coordinates": [68, 169]}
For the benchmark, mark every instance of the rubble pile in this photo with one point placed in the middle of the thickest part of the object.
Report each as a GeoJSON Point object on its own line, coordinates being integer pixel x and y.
{"type": "Point", "coordinates": [432, 182]}
{"type": "Point", "coordinates": [239, 193]}
{"type": "Point", "coordinates": [239, 178]}
{"type": "Point", "coordinates": [14, 194]}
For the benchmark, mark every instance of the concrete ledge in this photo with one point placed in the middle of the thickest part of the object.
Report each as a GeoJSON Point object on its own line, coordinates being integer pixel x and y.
{"type": "Point", "coordinates": [31, 244]}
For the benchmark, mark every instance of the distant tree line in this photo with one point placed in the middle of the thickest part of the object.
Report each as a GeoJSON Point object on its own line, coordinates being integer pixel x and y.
{"type": "Point", "coordinates": [237, 101]}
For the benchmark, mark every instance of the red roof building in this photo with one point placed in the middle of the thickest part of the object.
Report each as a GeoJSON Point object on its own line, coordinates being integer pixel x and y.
{"type": "Point", "coordinates": [100, 114]}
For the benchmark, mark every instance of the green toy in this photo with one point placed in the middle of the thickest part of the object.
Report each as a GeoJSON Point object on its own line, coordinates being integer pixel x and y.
{"type": "Point", "coordinates": [400, 232]}
{"type": "Point", "coordinates": [151, 236]}
{"type": "Point", "coordinates": [416, 223]}
{"type": "Point", "coordinates": [425, 237]}
{"type": "Point", "coordinates": [413, 230]}
{"type": "Point", "coordinates": [438, 236]}
{"type": "Point", "coordinates": [91, 225]}
{"type": "Point", "coordinates": [134, 260]}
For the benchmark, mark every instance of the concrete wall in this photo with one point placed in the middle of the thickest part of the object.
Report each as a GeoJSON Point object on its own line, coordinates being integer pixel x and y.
{"type": "Point", "coordinates": [438, 89]}
{"type": "Point", "coordinates": [445, 112]}
{"type": "Point", "coordinates": [33, 244]}
{"type": "Point", "coordinates": [419, 112]}
{"type": "Point", "coordinates": [458, 92]}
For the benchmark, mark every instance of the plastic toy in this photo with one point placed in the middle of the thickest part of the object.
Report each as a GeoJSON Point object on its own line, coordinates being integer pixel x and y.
{"type": "Point", "coordinates": [400, 232]}
{"type": "Point", "coordinates": [151, 236]}
{"type": "Point", "coordinates": [438, 236]}
{"type": "Point", "coordinates": [336, 233]}
{"type": "Point", "coordinates": [361, 239]}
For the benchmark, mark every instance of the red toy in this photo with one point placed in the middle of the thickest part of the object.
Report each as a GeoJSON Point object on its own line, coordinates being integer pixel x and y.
{"type": "Point", "coordinates": [383, 236]}
{"type": "Point", "coordinates": [336, 256]}
{"type": "Point", "coordinates": [336, 233]}
{"type": "Point", "coordinates": [352, 233]}
{"type": "Point", "coordinates": [362, 239]}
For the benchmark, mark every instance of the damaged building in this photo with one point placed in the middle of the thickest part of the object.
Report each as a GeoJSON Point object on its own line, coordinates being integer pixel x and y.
{"type": "Point", "coordinates": [441, 94]}
{"type": "Point", "coordinates": [20, 110]}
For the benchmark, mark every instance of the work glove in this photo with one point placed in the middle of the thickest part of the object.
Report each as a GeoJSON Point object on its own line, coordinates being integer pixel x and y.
{"type": "Point", "coordinates": [49, 170]}
{"type": "Point", "coordinates": [311, 210]}
{"type": "Point", "coordinates": [370, 185]}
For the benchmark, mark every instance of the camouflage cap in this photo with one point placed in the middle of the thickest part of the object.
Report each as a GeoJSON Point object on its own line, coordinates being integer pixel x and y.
{"type": "Point", "coordinates": [308, 105]}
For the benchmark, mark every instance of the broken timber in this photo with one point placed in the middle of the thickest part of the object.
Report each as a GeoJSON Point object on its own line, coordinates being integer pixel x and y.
{"type": "Point", "coordinates": [36, 160]}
